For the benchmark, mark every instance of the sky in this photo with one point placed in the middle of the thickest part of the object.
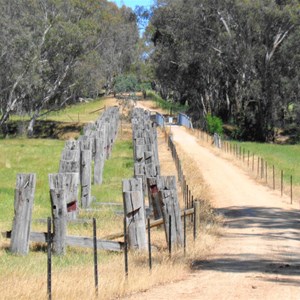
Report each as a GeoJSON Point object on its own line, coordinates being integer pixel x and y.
{"type": "Point", "coordinates": [133, 3]}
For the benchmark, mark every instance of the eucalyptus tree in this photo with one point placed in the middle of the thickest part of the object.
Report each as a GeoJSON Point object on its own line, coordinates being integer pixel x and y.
{"type": "Point", "coordinates": [235, 59]}
{"type": "Point", "coordinates": [55, 51]}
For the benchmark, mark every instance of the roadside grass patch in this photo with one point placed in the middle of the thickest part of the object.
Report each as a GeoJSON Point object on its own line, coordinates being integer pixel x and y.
{"type": "Point", "coordinates": [283, 157]}
{"type": "Point", "coordinates": [166, 105]}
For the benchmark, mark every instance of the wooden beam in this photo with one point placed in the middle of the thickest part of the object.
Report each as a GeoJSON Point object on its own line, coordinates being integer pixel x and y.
{"type": "Point", "coordinates": [75, 241]}
{"type": "Point", "coordinates": [154, 223]}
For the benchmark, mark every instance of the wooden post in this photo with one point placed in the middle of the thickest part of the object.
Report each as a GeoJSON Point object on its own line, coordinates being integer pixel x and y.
{"type": "Point", "coordinates": [184, 232]}
{"type": "Point", "coordinates": [69, 182]}
{"type": "Point", "coordinates": [95, 255]}
{"type": "Point", "coordinates": [153, 197]}
{"type": "Point", "coordinates": [170, 207]}
{"type": "Point", "coordinates": [85, 178]}
{"type": "Point", "coordinates": [99, 160]}
{"type": "Point", "coordinates": [125, 246]}
{"type": "Point", "coordinates": [149, 244]}
{"type": "Point", "coordinates": [59, 212]}
{"type": "Point", "coordinates": [24, 198]}
{"type": "Point", "coordinates": [196, 218]}
{"type": "Point", "coordinates": [281, 180]}
{"type": "Point", "coordinates": [134, 209]}
{"type": "Point", "coordinates": [70, 161]}
{"type": "Point", "coordinates": [49, 259]}
{"type": "Point", "coordinates": [273, 177]}
{"type": "Point", "coordinates": [291, 189]}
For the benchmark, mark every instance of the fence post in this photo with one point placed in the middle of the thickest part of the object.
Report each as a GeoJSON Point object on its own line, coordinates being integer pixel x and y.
{"type": "Point", "coordinates": [149, 245]}
{"type": "Point", "coordinates": [49, 259]}
{"type": "Point", "coordinates": [170, 235]}
{"type": "Point", "coordinates": [170, 206]}
{"type": "Point", "coordinates": [134, 209]}
{"type": "Point", "coordinates": [85, 177]}
{"type": "Point", "coordinates": [184, 232]}
{"type": "Point", "coordinates": [273, 177]}
{"type": "Point", "coordinates": [125, 247]}
{"type": "Point", "coordinates": [153, 197]}
{"type": "Point", "coordinates": [95, 255]}
{"type": "Point", "coordinates": [291, 189]}
{"type": "Point", "coordinates": [196, 218]}
{"type": "Point", "coordinates": [59, 212]}
{"type": "Point", "coordinates": [24, 197]}
{"type": "Point", "coordinates": [281, 188]}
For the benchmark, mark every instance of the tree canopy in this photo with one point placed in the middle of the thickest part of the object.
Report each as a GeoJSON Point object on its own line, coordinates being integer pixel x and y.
{"type": "Point", "coordinates": [53, 52]}
{"type": "Point", "coordinates": [237, 59]}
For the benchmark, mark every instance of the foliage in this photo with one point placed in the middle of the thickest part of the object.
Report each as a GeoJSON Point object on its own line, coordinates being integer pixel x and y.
{"type": "Point", "coordinates": [166, 105]}
{"type": "Point", "coordinates": [236, 59]}
{"type": "Point", "coordinates": [55, 52]}
{"type": "Point", "coordinates": [214, 124]}
{"type": "Point", "coordinates": [126, 83]}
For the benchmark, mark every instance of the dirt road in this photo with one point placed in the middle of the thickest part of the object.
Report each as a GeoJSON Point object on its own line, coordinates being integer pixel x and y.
{"type": "Point", "coordinates": [258, 255]}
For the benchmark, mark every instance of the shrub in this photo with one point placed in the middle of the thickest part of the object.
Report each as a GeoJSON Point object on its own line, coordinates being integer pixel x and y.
{"type": "Point", "coordinates": [214, 124]}
{"type": "Point", "coordinates": [125, 84]}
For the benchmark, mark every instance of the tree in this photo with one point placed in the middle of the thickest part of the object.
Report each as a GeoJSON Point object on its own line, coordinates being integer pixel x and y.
{"type": "Point", "coordinates": [53, 52]}
{"type": "Point", "coordinates": [235, 59]}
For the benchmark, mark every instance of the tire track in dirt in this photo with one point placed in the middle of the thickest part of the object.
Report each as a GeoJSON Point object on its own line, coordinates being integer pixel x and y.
{"type": "Point", "coordinates": [258, 255]}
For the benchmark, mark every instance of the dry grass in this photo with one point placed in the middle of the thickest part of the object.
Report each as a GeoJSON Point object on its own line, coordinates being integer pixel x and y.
{"type": "Point", "coordinates": [77, 282]}
{"type": "Point", "coordinates": [25, 277]}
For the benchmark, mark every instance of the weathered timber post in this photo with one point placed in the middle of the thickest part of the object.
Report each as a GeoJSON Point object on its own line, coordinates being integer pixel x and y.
{"type": "Point", "coordinates": [24, 198]}
{"type": "Point", "coordinates": [134, 209]}
{"type": "Point", "coordinates": [72, 145]}
{"type": "Point", "coordinates": [69, 182]}
{"type": "Point", "coordinates": [196, 217]}
{"type": "Point", "coordinates": [57, 182]}
{"type": "Point", "coordinates": [170, 207]}
{"type": "Point", "coordinates": [85, 177]}
{"type": "Point", "coordinates": [99, 160]}
{"type": "Point", "coordinates": [70, 161]}
{"type": "Point", "coordinates": [153, 197]}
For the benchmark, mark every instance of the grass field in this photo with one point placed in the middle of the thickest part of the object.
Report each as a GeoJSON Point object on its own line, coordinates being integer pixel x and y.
{"type": "Point", "coordinates": [283, 157]}
{"type": "Point", "coordinates": [73, 273]}
{"type": "Point", "coordinates": [165, 105]}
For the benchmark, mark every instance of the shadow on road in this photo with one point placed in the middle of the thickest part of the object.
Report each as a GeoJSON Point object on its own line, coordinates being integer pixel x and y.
{"type": "Point", "coordinates": [268, 226]}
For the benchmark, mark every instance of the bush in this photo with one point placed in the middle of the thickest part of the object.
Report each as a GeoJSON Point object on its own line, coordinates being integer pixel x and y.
{"type": "Point", "coordinates": [126, 84]}
{"type": "Point", "coordinates": [214, 124]}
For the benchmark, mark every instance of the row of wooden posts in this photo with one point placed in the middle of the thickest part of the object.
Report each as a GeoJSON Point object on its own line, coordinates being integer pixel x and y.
{"type": "Point", "coordinates": [264, 171]}
{"type": "Point", "coordinates": [162, 194]}
{"type": "Point", "coordinates": [257, 165]}
{"type": "Point", "coordinates": [75, 169]}
{"type": "Point", "coordinates": [161, 190]}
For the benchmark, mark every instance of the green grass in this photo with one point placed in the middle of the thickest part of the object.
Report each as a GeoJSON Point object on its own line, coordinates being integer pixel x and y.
{"type": "Point", "coordinates": [118, 167]}
{"type": "Point", "coordinates": [41, 156]}
{"type": "Point", "coordinates": [283, 157]}
{"type": "Point", "coordinates": [27, 156]}
{"type": "Point", "coordinates": [166, 105]}
{"type": "Point", "coordinates": [81, 112]}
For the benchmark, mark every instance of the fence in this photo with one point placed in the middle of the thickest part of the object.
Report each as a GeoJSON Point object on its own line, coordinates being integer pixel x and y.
{"type": "Point", "coordinates": [190, 209]}
{"type": "Point", "coordinates": [184, 120]}
{"type": "Point", "coordinates": [257, 166]}
{"type": "Point", "coordinates": [160, 120]}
